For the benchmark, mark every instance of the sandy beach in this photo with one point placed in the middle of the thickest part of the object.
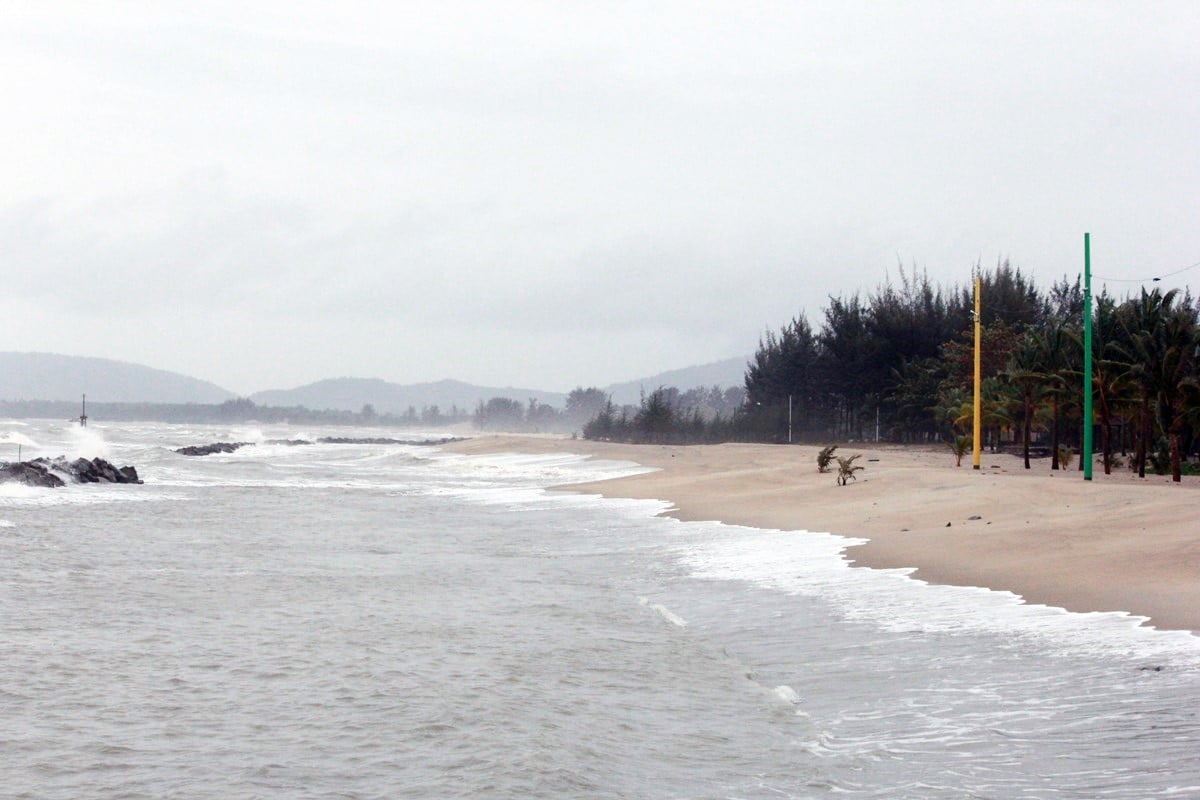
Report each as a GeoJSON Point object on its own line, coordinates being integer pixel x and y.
{"type": "Point", "coordinates": [1118, 543]}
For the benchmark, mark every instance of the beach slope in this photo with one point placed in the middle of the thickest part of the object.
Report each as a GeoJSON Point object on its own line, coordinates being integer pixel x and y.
{"type": "Point", "coordinates": [1116, 543]}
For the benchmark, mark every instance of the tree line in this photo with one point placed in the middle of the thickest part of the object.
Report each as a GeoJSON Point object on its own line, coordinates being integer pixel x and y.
{"type": "Point", "coordinates": [896, 364]}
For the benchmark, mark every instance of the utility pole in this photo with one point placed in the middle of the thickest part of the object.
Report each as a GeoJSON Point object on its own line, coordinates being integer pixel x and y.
{"type": "Point", "coordinates": [977, 427]}
{"type": "Point", "coordinates": [1087, 357]}
{"type": "Point", "coordinates": [789, 419]}
{"type": "Point", "coordinates": [83, 413]}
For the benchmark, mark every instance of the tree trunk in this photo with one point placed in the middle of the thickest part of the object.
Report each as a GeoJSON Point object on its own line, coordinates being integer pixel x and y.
{"type": "Point", "coordinates": [1054, 434]}
{"type": "Point", "coordinates": [1143, 434]}
{"type": "Point", "coordinates": [1176, 467]}
{"type": "Point", "coordinates": [1105, 433]}
{"type": "Point", "coordinates": [1025, 432]}
{"type": "Point", "coordinates": [1106, 444]}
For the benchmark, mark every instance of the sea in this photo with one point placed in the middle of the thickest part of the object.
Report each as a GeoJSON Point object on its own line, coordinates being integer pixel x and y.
{"type": "Point", "coordinates": [396, 621]}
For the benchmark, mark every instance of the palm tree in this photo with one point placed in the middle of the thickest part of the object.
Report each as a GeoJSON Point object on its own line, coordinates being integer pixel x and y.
{"type": "Point", "coordinates": [1052, 344]}
{"type": "Point", "coordinates": [1136, 317]}
{"type": "Point", "coordinates": [1024, 371]}
{"type": "Point", "coordinates": [1108, 371]}
{"type": "Point", "coordinates": [1160, 354]}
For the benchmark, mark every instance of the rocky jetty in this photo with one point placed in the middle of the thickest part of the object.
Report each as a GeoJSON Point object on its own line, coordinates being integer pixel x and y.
{"type": "Point", "coordinates": [49, 472]}
{"type": "Point", "coordinates": [215, 447]}
{"type": "Point", "coordinates": [229, 447]}
{"type": "Point", "coordinates": [437, 442]}
{"type": "Point", "coordinates": [384, 440]}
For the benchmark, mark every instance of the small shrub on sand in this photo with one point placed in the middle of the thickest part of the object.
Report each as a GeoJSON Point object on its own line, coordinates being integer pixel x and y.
{"type": "Point", "coordinates": [825, 458]}
{"type": "Point", "coordinates": [960, 446]}
{"type": "Point", "coordinates": [847, 468]}
{"type": "Point", "coordinates": [1065, 454]}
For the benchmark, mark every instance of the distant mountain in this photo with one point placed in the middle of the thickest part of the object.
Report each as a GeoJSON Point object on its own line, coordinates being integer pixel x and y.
{"type": "Point", "coordinates": [352, 394]}
{"type": "Point", "coordinates": [53, 377]}
{"type": "Point", "coordinates": [726, 373]}
{"type": "Point", "coordinates": [49, 376]}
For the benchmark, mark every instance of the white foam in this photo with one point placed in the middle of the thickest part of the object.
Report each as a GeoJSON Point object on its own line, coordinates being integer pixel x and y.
{"type": "Point", "coordinates": [19, 491]}
{"type": "Point", "coordinates": [664, 612]}
{"type": "Point", "coordinates": [669, 615]}
{"type": "Point", "coordinates": [786, 694]}
{"type": "Point", "coordinates": [18, 494]}
{"type": "Point", "coordinates": [814, 564]}
{"type": "Point", "coordinates": [255, 435]}
{"type": "Point", "coordinates": [87, 442]}
{"type": "Point", "coordinates": [16, 437]}
{"type": "Point", "coordinates": [551, 469]}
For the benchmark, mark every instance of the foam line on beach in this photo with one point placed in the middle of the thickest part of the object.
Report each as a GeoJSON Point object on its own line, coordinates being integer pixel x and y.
{"type": "Point", "coordinates": [542, 470]}
{"type": "Point", "coordinates": [815, 564]}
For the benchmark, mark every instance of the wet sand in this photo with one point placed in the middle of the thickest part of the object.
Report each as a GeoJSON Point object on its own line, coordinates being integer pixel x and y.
{"type": "Point", "coordinates": [1117, 543]}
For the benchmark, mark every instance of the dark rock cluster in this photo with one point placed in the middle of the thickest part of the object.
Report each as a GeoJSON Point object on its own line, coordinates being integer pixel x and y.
{"type": "Point", "coordinates": [384, 440]}
{"type": "Point", "coordinates": [229, 447]}
{"type": "Point", "coordinates": [215, 447]}
{"type": "Point", "coordinates": [47, 472]}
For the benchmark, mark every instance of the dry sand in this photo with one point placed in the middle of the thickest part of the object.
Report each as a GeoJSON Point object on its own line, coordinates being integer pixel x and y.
{"type": "Point", "coordinates": [1115, 544]}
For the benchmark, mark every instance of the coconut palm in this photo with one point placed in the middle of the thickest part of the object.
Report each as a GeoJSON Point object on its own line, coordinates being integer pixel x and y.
{"type": "Point", "coordinates": [1053, 350]}
{"type": "Point", "coordinates": [1160, 355]}
{"type": "Point", "coordinates": [1024, 371]}
{"type": "Point", "coordinates": [1108, 371]}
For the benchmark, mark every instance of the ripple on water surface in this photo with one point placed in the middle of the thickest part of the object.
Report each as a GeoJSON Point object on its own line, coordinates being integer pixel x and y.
{"type": "Point", "coordinates": [440, 626]}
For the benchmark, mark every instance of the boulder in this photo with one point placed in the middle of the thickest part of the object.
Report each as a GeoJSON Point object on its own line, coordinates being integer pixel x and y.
{"type": "Point", "coordinates": [215, 447]}
{"type": "Point", "coordinates": [47, 472]}
{"type": "Point", "coordinates": [30, 474]}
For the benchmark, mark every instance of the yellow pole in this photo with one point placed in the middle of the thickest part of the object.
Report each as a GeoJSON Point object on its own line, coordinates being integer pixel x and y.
{"type": "Point", "coordinates": [977, 431]}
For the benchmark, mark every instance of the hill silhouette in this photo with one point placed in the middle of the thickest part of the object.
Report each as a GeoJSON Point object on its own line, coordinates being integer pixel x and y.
{"type": "Point", "coordinates": [50, 376]}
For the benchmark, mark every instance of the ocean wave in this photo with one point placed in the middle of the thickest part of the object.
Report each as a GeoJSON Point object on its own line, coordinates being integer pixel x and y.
{"type": "Point", "coordinates": [815, 564]}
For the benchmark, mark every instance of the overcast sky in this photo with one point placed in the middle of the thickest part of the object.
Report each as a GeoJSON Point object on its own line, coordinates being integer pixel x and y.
{"type": "Point", "coordinates": [263, 194]}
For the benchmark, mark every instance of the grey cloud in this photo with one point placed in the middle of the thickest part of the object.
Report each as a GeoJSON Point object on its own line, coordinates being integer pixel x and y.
{"type": "Point", "coordinates": [571, 181]}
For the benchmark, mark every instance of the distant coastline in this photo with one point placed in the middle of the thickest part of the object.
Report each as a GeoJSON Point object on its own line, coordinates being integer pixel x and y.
{"type": "Point", "coordinates": [231, 411]}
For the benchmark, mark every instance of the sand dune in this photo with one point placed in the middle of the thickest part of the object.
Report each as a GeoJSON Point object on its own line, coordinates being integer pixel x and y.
{"type": "Point", "coordinates": [1115, 544]}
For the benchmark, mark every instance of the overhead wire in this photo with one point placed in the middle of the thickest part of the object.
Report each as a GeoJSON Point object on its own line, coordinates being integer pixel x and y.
{"type": "Point", "coordinates": [1152, 279]}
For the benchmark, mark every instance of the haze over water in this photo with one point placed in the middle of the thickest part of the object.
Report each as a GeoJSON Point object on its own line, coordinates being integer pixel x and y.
{"type": "Point", "coordinates": [389, 621]}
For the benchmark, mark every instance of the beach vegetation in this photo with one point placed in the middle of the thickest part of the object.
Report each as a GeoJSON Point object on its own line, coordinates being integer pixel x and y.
{"type": "Point", "coordinates": [960, 445]}
{"type": "Point", "coordinates": [1065, 456]}
{"type": "Point", "coordinates": [896, 364]}
{"type": "Point", "coordinates": [583, 405]}
{"type": "Point", "coordinates": [1024, 372]}
{"type": "Point", "coordinates": [825, 458]}
{"type": "Point", "coordinates": [847, 468]}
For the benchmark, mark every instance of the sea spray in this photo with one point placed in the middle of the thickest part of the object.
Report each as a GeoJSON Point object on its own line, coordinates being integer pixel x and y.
{"type": "Point", "coordinates": [87, 442]}
{"type": "Point", "coordinates": [17, 446]}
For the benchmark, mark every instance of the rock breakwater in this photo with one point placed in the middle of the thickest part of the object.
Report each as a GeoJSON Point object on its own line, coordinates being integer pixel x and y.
{"type": "Point", "coordinates": [52, 473]}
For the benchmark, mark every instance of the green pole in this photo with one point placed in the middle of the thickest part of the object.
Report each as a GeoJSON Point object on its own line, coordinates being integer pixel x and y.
{"type": "Point", "coordinates": [1087, 357]}
{"type": "Point", "coordinates": [977, 422]}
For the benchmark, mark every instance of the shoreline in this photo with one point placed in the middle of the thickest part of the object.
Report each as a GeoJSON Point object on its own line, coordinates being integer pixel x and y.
{"type": "Point", "coordinates": [1117, 543]}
